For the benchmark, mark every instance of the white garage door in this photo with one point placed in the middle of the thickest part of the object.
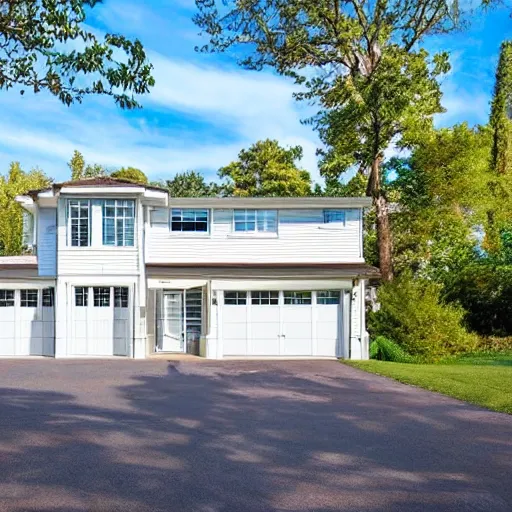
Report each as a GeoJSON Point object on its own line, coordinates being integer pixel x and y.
{"type": "Point", "coordinates": [286, 323]}
{"type": "Point", "coordinates": [101, 321]}
{"type": "Point", "coordinates": [27, 322]}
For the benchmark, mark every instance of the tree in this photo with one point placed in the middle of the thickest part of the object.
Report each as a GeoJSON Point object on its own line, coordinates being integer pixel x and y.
{"type": "Point", "coordinates": [373, 81]}
{"type": "Point", "coordinates": [267, 169]}
{"type": "Point", "coordinates": [16, 182]}
{"type": "Point", "coordinates": [38, 51]}
{"type": "Point", "coordinates": [191, 184]}
{"type": "Point", "coordinates": [130, 174]}
{"type": "Point", "coordinates": [501, 158]}
{"type": "Point", "coordinates": [80, 170]}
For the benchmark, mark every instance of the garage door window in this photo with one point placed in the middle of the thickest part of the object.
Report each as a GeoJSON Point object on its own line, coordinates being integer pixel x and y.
{"type": "Point", "coordinates": [48, 297]}
{"type": "Point", "coordinates": [297, 298]}
{"type": "Point", "coordinates": [328, 297]}
{"type": "Point", "coordinates": [81, 296]}
{"type": "Point", "coordinates": [101, 297]}
{"type": "Point", "coordinates": [235, 298]}
{"type": "Point", "coordinates": [264, 298]}
{"type": "Point", "coordinates": [6, 298]}
{"type": "Point", "coordinates": [29, 298]}
{"type": "Point", "coordinates": [121, 297]}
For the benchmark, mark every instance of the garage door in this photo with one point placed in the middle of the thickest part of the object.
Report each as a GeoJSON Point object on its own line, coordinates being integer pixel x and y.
{"type": "Point", "coordinates": [101, 321]}
{"type": "Point", "coordinates": [27, 322]}
{"type": "Point", "coordinates": [285, 323]}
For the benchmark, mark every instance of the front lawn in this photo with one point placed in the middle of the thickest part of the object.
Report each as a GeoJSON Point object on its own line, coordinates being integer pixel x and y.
{"type": "Point", "coordinates": [484, 379]}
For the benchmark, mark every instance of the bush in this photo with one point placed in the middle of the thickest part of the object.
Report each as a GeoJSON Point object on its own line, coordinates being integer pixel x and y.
{"type": "Point", "coordinates": [485, 292]}
{"type": "Point", "coordinates": [412, 314]}
{"type": "Point", "coordinates": [386, 350]}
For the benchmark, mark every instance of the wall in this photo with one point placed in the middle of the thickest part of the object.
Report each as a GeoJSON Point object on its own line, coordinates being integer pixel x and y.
{"type": "Point", "coordinates": [95, 259]}
{"type": "Point", "coordinates": [302, 238]}
{"type": "Point", "coordinates": [47, 241]}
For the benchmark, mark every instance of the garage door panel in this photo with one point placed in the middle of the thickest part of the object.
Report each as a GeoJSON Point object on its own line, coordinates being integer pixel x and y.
{"type": "Point", "coordinates": [327, 346]}
{"type": "Point", "coordinates": [262, 314]}
{"type": "Point", "coordinates": [264, 346]}
{"type": "Point", "coordinates": [7, 330]}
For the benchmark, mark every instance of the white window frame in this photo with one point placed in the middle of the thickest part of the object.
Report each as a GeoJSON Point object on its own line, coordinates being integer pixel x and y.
{"type": "Point", "coordinates": [256, 231]}
{"type": "Point", "coordinates": [335, 222]}
{"type": "Point", "coordinates": [240, 298]}
{"type": "Point", "coordinates": [118, 204]}
{"type": "Point", "coordinates": [190, 233]}
{"type": "Point", "coordinates": [69, 206]}
{"type": "Point", "coordinates": [296, 298]}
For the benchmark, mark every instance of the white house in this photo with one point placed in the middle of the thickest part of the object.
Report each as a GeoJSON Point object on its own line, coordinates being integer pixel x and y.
{"type": "Point", "coordinates": [122, 269]}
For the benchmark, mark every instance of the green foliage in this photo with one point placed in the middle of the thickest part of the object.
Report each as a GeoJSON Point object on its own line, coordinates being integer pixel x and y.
{"type": "Point", "coordinates": [412, 314]}
{"type": "Point", "coordinates": [38, 51]}
{"type": "Point", "coordinates": [267, 169]}
{"type": "Point", "coordinates": [501, 112]}
{"type": "Point", "coordinates": [384, 349]}
{"type": "Point", "coordinates": [191, 184]}
{"type": "Point", "coordinates": [16, 182]}
{"type": "Point", "coordinates": [130, 174]}
{"type": "Point", "coordinates": [80, 170]}
{"type": "Point", "coordinates": [484, 290]}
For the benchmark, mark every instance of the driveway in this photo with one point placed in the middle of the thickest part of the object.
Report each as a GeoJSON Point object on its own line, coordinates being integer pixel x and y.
{"type": "Point", "coordinates": [241, 436]}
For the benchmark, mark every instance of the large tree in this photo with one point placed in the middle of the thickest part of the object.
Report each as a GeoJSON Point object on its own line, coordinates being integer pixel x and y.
{"type": "Point", "coordinates": [47, 45]}
{"type": "Point", "coordinates": [370, 76]}
{"type": "Point", "coordinates": [267, 169]}
{"type": "Point", "coordinates": [15, 183]}
{"type": "Point", "coordinates": [130, 174]}
{"type": "Point", "coordinates": [80, 170]}
{"type": "Point", "coordinates": [191, 184]}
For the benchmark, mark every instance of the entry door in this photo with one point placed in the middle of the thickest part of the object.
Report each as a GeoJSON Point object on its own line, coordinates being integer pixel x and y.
{"type": "Point", "coordinates": [173, 322]}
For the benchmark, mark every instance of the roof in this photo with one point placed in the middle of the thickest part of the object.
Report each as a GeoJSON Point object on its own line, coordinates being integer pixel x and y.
{"type": "Point", "coordinates": [278, 270]}
{"type": "Point", "coordinates": [27, 261]}
{"type": "Point", "coordinates": [270, 202]}
{"type": "Point", "coordinates": [98, 181]}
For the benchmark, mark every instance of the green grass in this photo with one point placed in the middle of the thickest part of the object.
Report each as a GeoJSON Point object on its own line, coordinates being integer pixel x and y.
{"type": "Point", "coordinates": [482, 379]}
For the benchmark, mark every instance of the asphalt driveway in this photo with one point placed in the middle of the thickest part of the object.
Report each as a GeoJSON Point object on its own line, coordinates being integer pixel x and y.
{"type": "Point", "coordinates": [241, 436]}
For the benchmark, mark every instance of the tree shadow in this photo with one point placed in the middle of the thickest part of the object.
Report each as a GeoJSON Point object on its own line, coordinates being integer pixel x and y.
{"type": "Point", "coordinates": [243, 436]}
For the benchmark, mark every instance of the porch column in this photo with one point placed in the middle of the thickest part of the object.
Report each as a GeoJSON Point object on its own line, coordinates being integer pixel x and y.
{"type": "Point", "coordinates": [358, 338]}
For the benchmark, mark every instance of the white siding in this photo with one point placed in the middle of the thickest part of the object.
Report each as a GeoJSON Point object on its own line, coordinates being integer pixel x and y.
{"type": "Point", "coordinates": [96, 259]}
{"type": "Point", "coordinates": [302, 238]}
{"type": "Point", "coordinates": [47, 242]}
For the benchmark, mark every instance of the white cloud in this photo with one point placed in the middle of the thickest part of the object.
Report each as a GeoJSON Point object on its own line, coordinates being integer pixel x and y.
{"type": "Point", "coordinates": [218, 112]}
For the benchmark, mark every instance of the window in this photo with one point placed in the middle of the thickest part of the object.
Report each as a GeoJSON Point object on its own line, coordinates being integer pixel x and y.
{"type": "Point", "coordinates": [334, 216]}
{"type": "Point", "coordinates": [6, 298]}
{"type": "Point", "coordinates": [235, 298]}
{"type": "Point", "coordinates": [255, 221]}
{"type": "Point", "coordinates": [189, 220]}
{"type": "Point", "coordinates": [81, 295]}
{"type": "Point", "coordinates": [328, 297]}
{"type": "Point", "coordinates": [48, 295]}
{"type": "Point", "coordinates": [101, 296]}
{"type": "Point", "coordinates": [78, 219]}
{"type": "Point", "coordinates": [264, 298]}
{"type": "Point", "coordinates": [121, 297]}
{"type": "Point", "coordinates": [28, 298]}
{"type": "Point", "coordinates": [297, 298]}
{"type": "Point", "coordinates": [118, 222]}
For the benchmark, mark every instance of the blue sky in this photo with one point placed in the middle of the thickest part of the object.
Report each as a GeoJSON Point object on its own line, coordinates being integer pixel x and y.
{"type": "Point", "coordinates": [204, 109]}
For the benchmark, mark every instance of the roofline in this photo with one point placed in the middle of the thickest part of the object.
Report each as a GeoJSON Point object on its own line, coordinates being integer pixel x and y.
{"type": "Point", "coordinates": [360, 269]}
{"type": "Point", "coordinates": [270, 202]}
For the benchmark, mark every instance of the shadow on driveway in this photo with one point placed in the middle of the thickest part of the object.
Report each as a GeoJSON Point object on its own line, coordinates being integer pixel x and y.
{"type": "Point", "coordinates": [241, 436]}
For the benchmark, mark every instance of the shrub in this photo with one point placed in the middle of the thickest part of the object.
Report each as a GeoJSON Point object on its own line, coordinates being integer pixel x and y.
{"type": "Point", "coordinates": [386, 350]}
{"type": "Point", "coordinates": [412, 314]}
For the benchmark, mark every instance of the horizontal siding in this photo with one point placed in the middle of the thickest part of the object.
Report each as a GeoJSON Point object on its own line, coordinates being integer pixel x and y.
{"type": "Point", "coordinates": [47, 242]}
{"type": "Point", "coordinates": [98, 261]}
{"type": "Point", "coordinates": [302, 238]}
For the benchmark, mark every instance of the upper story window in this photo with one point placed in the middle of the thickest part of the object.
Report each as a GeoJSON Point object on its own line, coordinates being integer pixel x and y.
{"type": "Point", "coordinates": [255, 221]}
{"type": "Point", "coordinates": [334, 216]}
{"type": "Point", "coordinates": [79, 222]}
{"type": "Point", "coordinates": [188, 220]}
{"type": "Point", "coordinates": [118, 222]}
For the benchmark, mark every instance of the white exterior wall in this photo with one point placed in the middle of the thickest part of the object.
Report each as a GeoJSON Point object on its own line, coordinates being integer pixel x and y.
{"type": "Point", "coordinates": [302, 238]}
{"type": "Point", "coordinates": [95, 259]}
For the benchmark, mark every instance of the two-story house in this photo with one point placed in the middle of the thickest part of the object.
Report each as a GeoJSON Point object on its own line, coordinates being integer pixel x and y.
{"type": "Point", "coordinates": [122, 269]}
